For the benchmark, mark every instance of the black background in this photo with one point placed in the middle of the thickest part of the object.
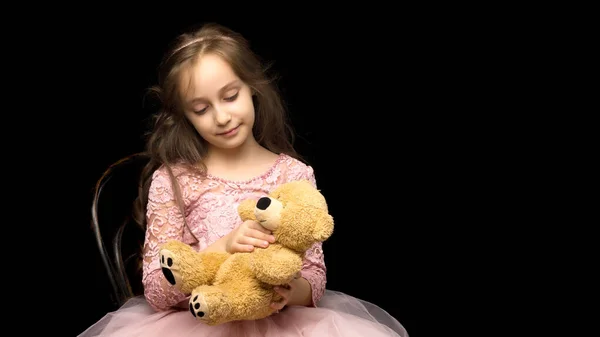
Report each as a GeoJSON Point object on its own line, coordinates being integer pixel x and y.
{"type": "Point", "coordinates": [379, 103]}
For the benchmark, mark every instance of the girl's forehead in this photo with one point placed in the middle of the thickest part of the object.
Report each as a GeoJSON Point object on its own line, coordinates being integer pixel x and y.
{"type": "Point", "coordinates": [208, 76]}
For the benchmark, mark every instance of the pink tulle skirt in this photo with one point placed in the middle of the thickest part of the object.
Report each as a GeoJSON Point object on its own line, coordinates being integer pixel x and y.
{"type": "Point", "coordinates": [338, 314]}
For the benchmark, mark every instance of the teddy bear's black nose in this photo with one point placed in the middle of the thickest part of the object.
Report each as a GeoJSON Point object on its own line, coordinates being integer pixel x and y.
{"type": "Point", "coordinates": [263, 203]}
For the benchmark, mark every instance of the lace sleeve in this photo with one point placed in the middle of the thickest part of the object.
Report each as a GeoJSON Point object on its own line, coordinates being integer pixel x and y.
{"type": "Point", "coordinates": [165, 222]}
{"type": "Point", "coordinates": [313, 267]}
{"type": "Point", "coordinates": [314, 271]}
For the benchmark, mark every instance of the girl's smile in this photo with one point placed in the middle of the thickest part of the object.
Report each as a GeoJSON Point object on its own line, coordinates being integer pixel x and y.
{"type": "Point", "coordinates": [230, 132]}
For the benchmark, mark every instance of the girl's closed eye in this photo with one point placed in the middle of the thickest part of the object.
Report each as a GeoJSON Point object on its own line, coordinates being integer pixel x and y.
{"type": "Point", "coordinates": [232, 97]}
{"type": "Point", "coordinates": [228, 99]}
{"type": "Point", "coordinates": [200, 111]}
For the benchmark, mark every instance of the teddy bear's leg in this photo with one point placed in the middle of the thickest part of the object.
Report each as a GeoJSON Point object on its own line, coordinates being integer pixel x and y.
{"type": "Point", "coordinates": [210, 305]}
{"type": "Point", "coordinates": [219, 304]}
{"type": "Point", "coordinates": [187, 269]}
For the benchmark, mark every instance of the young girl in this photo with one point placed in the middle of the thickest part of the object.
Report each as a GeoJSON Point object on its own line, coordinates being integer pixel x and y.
{"type": "Point", "coordinates": [220, 137]}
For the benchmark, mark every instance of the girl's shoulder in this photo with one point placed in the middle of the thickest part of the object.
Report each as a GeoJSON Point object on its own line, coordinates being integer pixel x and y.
{"type": "Point", "coordinates": [290, 168]}
{"type": "Point", "coordinates": [190, 183]}
{"type": "Point", "coordinates": [177, 170]}
{"type": "Point", "coordinates": [289, 162]}
{"type": "Point", "coordinates": [186, 177]}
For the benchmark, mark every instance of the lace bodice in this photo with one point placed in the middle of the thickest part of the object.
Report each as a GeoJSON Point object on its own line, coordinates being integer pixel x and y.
{"type": "Point", "coordinates": [211, 213]}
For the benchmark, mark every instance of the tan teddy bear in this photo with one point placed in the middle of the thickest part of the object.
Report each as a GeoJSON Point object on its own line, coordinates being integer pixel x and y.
{"type": "Point", "coordinates": [227, 287]}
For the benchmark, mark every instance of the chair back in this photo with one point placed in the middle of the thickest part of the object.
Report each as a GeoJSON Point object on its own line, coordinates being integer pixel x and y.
{"type": "Point", "coordinates": [119, 238]}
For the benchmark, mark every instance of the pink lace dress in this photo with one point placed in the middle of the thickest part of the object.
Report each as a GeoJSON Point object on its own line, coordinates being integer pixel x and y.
{"type": "Point", "coordinates": [211, 212]}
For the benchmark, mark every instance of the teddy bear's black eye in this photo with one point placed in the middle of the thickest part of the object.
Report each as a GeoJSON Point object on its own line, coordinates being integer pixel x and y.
{"type": "Point", "coordinates": [263, 203]}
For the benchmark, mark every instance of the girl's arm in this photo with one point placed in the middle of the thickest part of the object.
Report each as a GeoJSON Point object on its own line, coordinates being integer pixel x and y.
{"type": "Point", "coordinates": [217, 246]}
{"type": "Point", "coordinates": [164, 222]}
{"type": "Point", "coordinates": [310, 287]}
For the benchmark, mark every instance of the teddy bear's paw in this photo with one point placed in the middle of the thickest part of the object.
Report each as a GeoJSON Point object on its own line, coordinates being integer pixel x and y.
{"type": "Point", "coordinates": [209, 305]}
{"type": "Point", "coordinates": [198, 307]}
{"type": "Point", "coordinates": [170, 267]}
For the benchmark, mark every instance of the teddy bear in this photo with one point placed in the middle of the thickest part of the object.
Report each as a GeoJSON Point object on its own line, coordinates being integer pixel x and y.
{"type": "Point", "coordinates": [230, 287]}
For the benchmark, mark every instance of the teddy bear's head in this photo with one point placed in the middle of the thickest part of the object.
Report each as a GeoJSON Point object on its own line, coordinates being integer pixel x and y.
{"type": "Point", "coordinates": [296, 212]}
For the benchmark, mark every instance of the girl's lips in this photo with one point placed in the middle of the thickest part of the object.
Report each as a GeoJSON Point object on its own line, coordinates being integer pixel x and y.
{"type": "Point", "coordinates": [229, 132]}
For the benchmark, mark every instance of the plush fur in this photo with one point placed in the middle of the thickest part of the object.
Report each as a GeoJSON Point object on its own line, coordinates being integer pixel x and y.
{"type": "Point", "coordinates": [227, 287]}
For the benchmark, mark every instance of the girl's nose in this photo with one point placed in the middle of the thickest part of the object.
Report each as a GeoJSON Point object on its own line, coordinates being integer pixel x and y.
{"type": "Point", "coordinates": [221, 116]}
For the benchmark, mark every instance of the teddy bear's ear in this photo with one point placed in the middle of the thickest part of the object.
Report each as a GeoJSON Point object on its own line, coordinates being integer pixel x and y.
{"type": "Point", "coordinates": [323, 227]}
{"type": "Point", "coordinates": [246, 210]}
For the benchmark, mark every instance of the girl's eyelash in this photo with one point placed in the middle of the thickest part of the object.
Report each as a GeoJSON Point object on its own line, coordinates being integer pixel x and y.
{"type": "Point", "coordinates": [231, 98]}
{"type": "Point", "coordinates": [228, 99]}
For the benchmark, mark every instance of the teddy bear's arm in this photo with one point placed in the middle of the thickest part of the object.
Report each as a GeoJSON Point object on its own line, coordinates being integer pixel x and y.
{"type": "Point", "coordinates": [275, 265]}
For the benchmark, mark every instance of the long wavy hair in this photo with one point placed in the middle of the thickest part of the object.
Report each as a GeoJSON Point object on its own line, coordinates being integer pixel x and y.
{"type": "Point", "coordinates": [173, 140]}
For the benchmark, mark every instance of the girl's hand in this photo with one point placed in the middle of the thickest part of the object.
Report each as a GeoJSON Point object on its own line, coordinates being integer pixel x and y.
{"type": "Point", "coordinates": [248, 235]}
{"type": "Point", "coordinates": [286, 291]}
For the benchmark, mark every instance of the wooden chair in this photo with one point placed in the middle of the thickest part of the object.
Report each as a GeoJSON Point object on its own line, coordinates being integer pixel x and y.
{"type": "Point", "coordinates": [118, 236]}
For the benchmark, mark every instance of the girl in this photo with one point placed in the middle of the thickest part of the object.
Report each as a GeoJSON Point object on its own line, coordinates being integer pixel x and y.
{"type": "Point", "coordinates": [220, 137]}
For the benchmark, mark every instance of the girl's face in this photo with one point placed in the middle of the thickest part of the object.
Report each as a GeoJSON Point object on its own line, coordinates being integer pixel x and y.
{"type": "Point", "coordinates": [218, 103]}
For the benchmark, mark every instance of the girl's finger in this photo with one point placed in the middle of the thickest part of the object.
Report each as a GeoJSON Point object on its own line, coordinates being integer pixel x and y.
{"type": "Point", "coordinates": [246, 240]}
{"type": "Point", "coordinates": [277, 305]}
{"type": "Point", "coordinates": [258, 227]}
{"type": "Point", "coordinates": [260, 235]}
{"type": "Point", "coordinates": [239, 247]}
{"type": "Point", "coordinates": [285, 294]}
{"type": "Point", "coordinates": [284, 291]}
